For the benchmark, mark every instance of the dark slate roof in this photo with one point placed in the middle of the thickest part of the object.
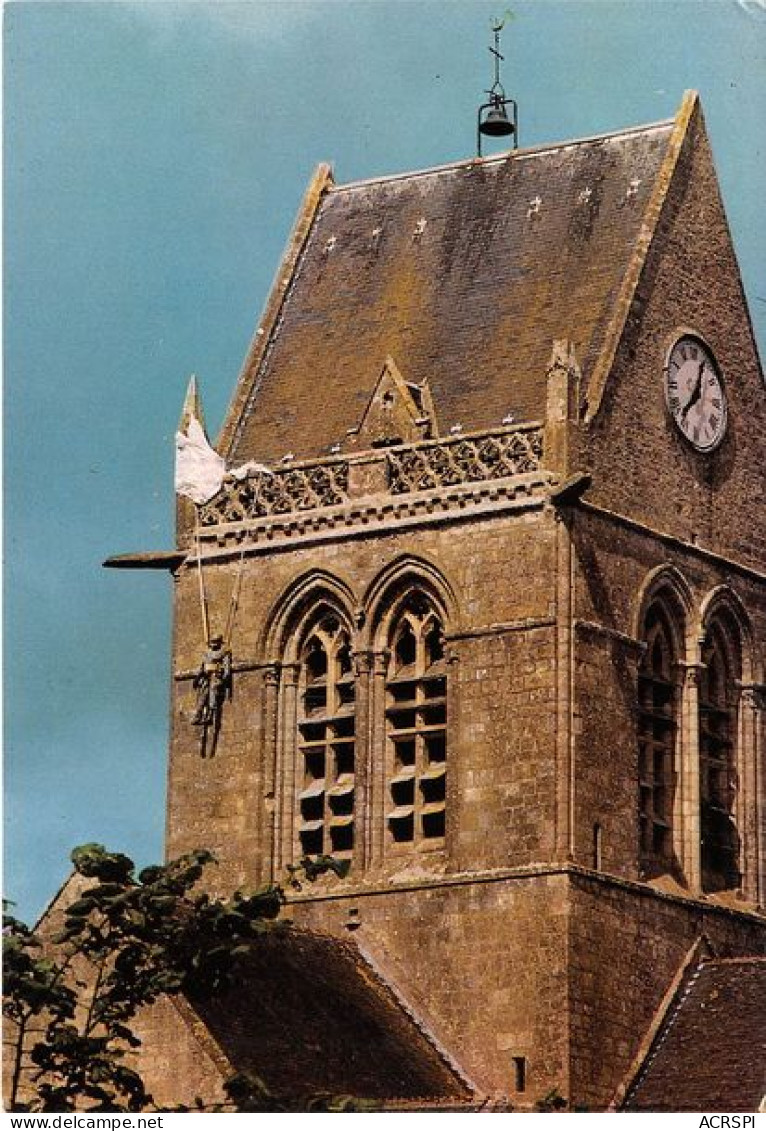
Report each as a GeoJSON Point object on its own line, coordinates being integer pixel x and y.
{"type": "Point", "coordinates": [310, 1017]}
{"type": "Point", "coordinates": [515, 252]}
{"type": "Point", "coordinates": [710, 1053]}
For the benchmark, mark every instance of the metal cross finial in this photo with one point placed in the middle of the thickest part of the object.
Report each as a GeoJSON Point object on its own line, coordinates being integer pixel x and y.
{"type": "Point", "coordinates": [497, 28]}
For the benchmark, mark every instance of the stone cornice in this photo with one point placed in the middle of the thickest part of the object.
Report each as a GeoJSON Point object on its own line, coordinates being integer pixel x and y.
{"type": "Point", "coordinates": [528, 872]}
{"type": "Point", "coordinates": [672, 540]}
{"type": "Point", "coordinates": [374, 515]}
{"type": "Point", "coordinates": [595, 629]}
{"type": "Point", "coordinates": [500, 628]}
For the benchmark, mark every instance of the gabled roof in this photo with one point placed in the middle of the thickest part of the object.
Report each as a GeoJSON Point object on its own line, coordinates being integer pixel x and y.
{"type": "Point", "coordinates": [710, 1051]}
{"type": "Point", "coordinates": [310, 1016]}
{"type": "Point", "coordinates": [464, 275]}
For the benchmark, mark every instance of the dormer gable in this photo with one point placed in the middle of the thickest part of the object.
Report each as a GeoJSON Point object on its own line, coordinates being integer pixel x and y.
{"type": "Point", "coordinates": [398, 412]}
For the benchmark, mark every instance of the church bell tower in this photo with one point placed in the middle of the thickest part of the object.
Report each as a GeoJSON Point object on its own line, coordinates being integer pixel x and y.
{"type": "Point", "coordinates": [488, 561]}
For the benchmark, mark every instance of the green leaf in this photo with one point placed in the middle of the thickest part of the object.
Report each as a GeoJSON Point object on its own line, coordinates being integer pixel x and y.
{"type": "Point", "coordinates": [94, 860]}
{"type": "Point", "coordinates": [81, 908]}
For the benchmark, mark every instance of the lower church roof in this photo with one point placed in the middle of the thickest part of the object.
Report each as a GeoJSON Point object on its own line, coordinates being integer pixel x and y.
{"type": "Point", "coordinates": [310, 1016]}
{"type": "Point", "coordinates": [710, 1053]}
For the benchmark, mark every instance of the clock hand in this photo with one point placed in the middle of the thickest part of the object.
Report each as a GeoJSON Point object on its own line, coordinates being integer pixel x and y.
{"type": "Point", "coordinates": [696, 392]}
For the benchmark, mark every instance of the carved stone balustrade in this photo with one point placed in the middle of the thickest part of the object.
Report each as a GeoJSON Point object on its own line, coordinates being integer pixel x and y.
{"type": "Point", "coordinates": [464, 459]}
{"type": "Point", "coordinates": [284, 491]}
{"type": "Point", "coordinates": [380, 485]}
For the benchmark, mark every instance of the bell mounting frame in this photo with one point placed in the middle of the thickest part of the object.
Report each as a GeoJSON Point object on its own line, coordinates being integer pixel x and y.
{"type": "Point", "coordinates": [497, 122]}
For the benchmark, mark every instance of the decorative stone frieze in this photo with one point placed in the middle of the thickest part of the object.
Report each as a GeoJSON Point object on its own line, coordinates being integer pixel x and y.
{"type": "Point", "coordinates": [379, 513]}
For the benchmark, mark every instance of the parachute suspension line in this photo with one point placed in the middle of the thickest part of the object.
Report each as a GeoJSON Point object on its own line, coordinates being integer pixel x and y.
{"type": "Point", "coordinates": [202, 595]}
{"type": "Point", "coordinates": [234, 601]}
{"type": "Point", "coordinates": [233, 604]}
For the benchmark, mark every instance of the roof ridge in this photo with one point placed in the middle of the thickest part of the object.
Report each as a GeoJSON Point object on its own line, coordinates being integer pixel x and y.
{"type": "Point", "coordinates": [734, 960]}
{"type": "Point", "coordinates": [50, 906]}
{"type": "Point", "coordinates": [662, 1018]}
{"type": "Point", "coordinates": [250, 373]}
{"type": "Point", "coordinates": [386, 988]}
{"type": "Point", "coordinates": [290, 926]}
{"type": "Point", "coordinates": [667, 1023]}
{"type": "Point", "coordinates": [689, 1004]}
{"type": "Point", "coordinates": [418, 1021]}
{"type": "Point", "coordinates": [498, 158]}
{"type": "Point", "coordinates": [688, 113]}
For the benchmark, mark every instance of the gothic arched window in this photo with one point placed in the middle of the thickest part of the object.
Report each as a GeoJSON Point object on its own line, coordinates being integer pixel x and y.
{"type": "Point", "coordinates": [326, 740]}
{"type": "Point", "coordinates": [717, 752]}
{"type": "Point", "coordinates": [416, 719]}
{"type": "Point", "coordinates": [657, 727]}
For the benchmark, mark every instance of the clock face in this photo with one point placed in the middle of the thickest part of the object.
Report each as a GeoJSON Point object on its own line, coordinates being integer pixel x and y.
{"type": "Point", "coordinates": [694, 394]}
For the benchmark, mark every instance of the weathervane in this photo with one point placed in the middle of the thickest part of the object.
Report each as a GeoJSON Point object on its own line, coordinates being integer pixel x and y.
{"type": "Point", "coordinates": [496, 122]}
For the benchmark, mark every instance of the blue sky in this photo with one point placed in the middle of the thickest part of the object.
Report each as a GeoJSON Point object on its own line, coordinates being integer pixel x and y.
{"type": "Point", "coordinates": [155, 155]}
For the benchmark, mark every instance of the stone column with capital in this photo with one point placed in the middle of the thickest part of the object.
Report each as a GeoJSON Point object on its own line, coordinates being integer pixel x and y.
{"type": "Point", "coordinates": [362, 760]}
{"type": "Point", "coordinates": [285, 788]}
{"type": "Point", "coordinates": [687, 807]}
{"type": "Point", "coordinates": [452, 801]}
{"type": "Point", "coordinates": [265, 816]}
{"type": "Point", "coordinates": [751, 794]}
{"type": "Point", "coordinates": [378, 760]}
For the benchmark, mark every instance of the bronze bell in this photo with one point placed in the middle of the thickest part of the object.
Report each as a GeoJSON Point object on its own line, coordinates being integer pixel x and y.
{"type": "Point", "coordinates": [496, 123]}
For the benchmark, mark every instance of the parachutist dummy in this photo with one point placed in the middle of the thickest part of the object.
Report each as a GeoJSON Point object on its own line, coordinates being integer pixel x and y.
{"type": "Point", "coordinates": [212, 682]}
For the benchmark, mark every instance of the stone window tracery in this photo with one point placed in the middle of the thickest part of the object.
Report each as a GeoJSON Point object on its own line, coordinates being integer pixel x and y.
{"type": "Point", "coordinates": [416, 719]}
{"type": "Point", "coordinates": [717, 753]}
{"type": "Point", "coordinates": [326, 741]}
{"type": "Point", "coordinates": [657, 731]}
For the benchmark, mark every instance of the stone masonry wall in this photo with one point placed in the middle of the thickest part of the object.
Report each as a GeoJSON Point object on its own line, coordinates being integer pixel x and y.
{"type": "Point", "coordinates": [500, 728]}
{"type": "Point", "coordinates": [482, 964]}
{"type": "Point", "coordinates": [627, 944]}
{"type": "Point", "coordinates": [641, 465]}
{"type": "Point", "coordinates": [613, 565]}
{"type": "Point", "coordinates": [565, 969]}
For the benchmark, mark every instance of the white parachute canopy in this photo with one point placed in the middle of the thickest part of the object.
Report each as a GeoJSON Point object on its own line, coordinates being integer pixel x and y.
{"type": "Point", "coordinates": [249, 468]}
{"type": "Point", "coordinates": [199, 468]}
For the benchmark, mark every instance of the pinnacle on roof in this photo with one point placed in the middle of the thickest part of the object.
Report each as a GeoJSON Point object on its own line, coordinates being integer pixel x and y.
{"type": "Point", "coordinates": [192, 406]}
